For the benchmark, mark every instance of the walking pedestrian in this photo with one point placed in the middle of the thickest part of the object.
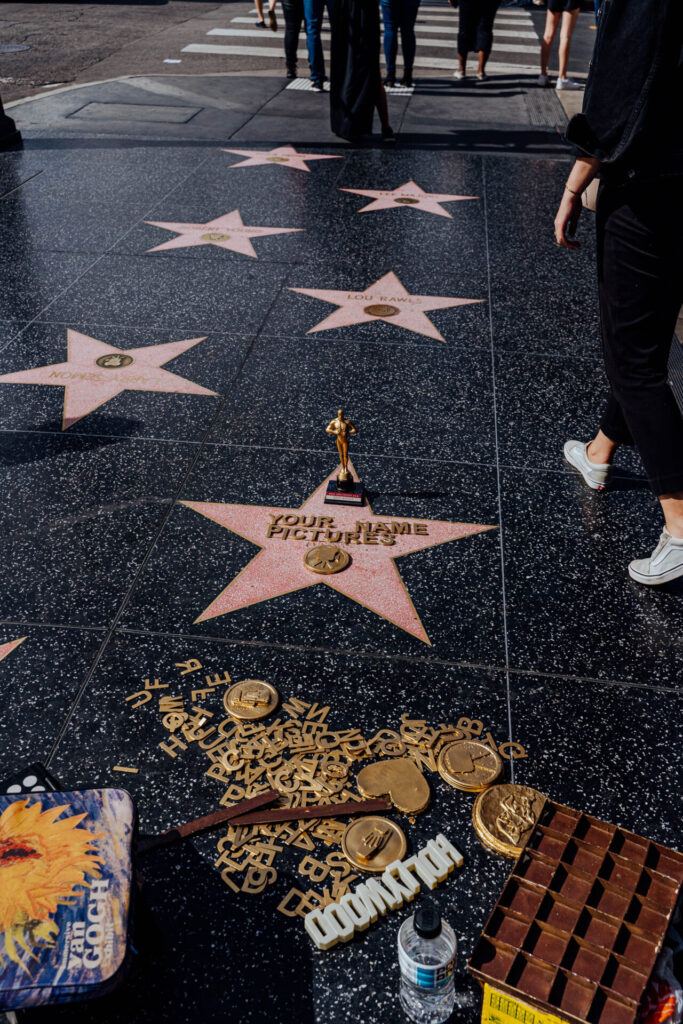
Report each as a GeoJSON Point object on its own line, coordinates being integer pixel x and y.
{"type": "Point", "coordinates": [562, 14]}
{"type": "Point", "coordinates": [356, 88]}
{"type": "Point", "coordinates": [293, 12]}
{"type": "Point", "coordinates": [313, 14]}
{"type": "Point", "coordinates": [399, 16]}
{"type": "Point", "coordinates": [630, 131]}
{"type": "Point", "coordinates": [272, 19]}
{"type": "Point", "coordinates": [475, 32]}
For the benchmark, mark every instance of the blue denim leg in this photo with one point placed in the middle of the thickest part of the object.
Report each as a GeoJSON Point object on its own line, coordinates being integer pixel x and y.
{"type": "Point", "coordinates": [313, 13]}
{"type": "Point", "coordinates": [390, 17]}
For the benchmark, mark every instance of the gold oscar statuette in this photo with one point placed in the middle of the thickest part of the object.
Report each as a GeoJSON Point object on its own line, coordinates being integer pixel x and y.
{"type": "Point", "coordinates": [345, 490]}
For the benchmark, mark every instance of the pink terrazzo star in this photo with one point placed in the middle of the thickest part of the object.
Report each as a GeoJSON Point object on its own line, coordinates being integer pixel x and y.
{"type": "Point", "coordinates": [409, 196]}
{"type": "Point", "coordinates": [226, 232]}
{"type": "Point", "coordinates": [371, 579]}
{"type": "Point", "coordinates": [6, 649]}
{"type": "Point", "coordinates": [287, 156]}
{"type": "Point", "coordinates": [386, 299]}
{"type": "Point", "coordinates": [95, 372]}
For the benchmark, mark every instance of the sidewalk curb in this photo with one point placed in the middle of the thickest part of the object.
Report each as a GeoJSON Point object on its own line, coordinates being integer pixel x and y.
{"type": "Point", "coordinates": [162, 74]}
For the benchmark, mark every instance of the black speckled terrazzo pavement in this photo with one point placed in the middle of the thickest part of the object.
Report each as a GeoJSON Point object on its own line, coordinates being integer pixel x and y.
{"type": "Point", "coordinates": [534, 626]}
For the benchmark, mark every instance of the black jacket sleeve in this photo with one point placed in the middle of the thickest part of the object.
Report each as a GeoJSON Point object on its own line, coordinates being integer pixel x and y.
{"type": "Point", "coordinates": [628, 96]}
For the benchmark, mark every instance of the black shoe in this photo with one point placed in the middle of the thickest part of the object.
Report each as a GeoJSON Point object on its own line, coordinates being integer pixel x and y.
{"type": "Point", "coordinates": [390, 80]}
{"type": "Point", "coordinates": [291, 72]}
{"type": "Point", "coordinates": [407, 81]}
{"type": "Point", "coordinates": [260, 24]}
{"type": "Point", "coordinates": [388, 134]}
{"type": "Point", "coordinates": [317, 87]}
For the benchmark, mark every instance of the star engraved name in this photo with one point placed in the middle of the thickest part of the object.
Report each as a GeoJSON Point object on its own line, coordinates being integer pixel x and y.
{"type": "Point", "coordinates": [323, 528]}
{"type": "Point", "coordinates": [129, 378]}
{"type": "Point", "coordinates": [359, 297]}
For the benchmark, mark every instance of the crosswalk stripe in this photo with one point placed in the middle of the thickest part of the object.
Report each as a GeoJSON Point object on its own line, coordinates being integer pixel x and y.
{"type": "Point", "coordinates": [448, 14]}
{"type": "Point", "coordinates": [447, 63]}
{"type": "Point", "coordinates": [448, 29]}
{"type": "Point", "coordinates": [442, 44]}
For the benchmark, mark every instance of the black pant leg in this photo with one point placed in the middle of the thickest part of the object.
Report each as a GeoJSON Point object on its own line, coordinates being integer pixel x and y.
{"type": "Point", "coordinates": [487, 16]}
{"type": "Point", "coordinates": [467, 29]}
{"type": "Point", "coordinates": [293, 11]}
{"type": "Point", "coordinates": [640, 282]}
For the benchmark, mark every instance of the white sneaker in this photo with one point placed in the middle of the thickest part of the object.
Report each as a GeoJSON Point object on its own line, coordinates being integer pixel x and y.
{"type": "Point", "coordinates": [567, 83]}
{"type": "Point", "coordinates": [664, 564]}
{"type": "Point", "coordinates": [543, 81]}
{"type": "Point", "coordinates": [595, 475]}
{"type": "Point", "coordinates": [459, 75]}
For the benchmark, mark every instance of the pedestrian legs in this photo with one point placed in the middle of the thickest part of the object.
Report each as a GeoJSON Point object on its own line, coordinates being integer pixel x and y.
{"type": "Point", "coordinates": [566, 32]}
{"type": "Point", "coordinates": [640, 281]}
{"type": "Point", "coordinates": [552, 20]}
{"type": "Point", "coordinates": [313, 13]}
{"type": "Point", "coordinates": [293, 11]}
{"type": "Point", "coordinates": [409, 9]}
{"type": "Point", "coordinates": [391, 20]}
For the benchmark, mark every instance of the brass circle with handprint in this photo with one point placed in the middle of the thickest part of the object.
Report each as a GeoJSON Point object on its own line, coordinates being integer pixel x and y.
{"type": "Point", "coordinates": [114, 360]}
{"type": "Point", "coordinates": [470, 765]}
{"type": "Point", "coordinates": [371, 843]}
{"type": "Point", "coordinates": [250, 699]}
{"type": "Point", "coordinates": [381, 309]}
{"type": "Point", "coordinates": [504, 816]}
{"type": "Point", "coordinates": [326, 559]}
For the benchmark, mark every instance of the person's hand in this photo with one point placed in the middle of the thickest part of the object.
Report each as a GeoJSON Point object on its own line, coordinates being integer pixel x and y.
{"type": "Point", "coordinates": [567, 219]}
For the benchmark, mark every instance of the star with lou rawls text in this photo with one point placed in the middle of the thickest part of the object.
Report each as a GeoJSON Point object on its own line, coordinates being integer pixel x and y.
{"type": "Point", "coordinates": [286, 156]}
{"type": "Point", "coordinates": [385, 299]}
{"type": "Point", "coordinates": [95, 372]}
{"type": "Point", "coordinates": [284, 535]}
{"type": "Point", "coordinates": [226, 232]}
{"type": "Point", "coordinates": [409, 197]}
{"type": "Point", "coordinates": [7, 648]}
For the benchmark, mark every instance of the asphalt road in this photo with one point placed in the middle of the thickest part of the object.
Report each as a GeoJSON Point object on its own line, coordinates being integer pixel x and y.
{"type": "Point", "coordinates": [86, 42]}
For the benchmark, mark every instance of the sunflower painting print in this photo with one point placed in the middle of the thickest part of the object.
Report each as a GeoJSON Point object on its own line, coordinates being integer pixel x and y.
{"type": "Point", "coordinates": [65, 881]}
{"type": "Point", "coordinates": [43, 859]}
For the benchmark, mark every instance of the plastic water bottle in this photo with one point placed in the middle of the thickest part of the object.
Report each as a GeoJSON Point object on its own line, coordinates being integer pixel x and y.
{"type": "Point", "coordinates": [426, 955]}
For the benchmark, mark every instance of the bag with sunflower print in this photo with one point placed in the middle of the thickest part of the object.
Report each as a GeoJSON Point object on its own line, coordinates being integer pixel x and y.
{"type": "Point", "coordinates": [65, 894]}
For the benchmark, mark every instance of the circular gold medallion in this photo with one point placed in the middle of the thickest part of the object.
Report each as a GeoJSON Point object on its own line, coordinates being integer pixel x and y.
{"type": "Point", "coordinates": [469, 765]}
{"type": "Point", "coordinates": [381, 309]}
{"type": "Point", "coordinates": [214, 236]}
{"type": "Point", "coordinates": [504, 816]}
{"type": "Point", "coordinates": [250, 699]}
{"type": "Point", "coordinates": [406, 200]}
{"type": "Point", "coordinates": [277, 159]}
{"type": "Point", "coordinates": [326, 559]}
{"type": "Point", "coordinates": [114, 360]}
{"type": "Point", "coordinates": [372, 843]}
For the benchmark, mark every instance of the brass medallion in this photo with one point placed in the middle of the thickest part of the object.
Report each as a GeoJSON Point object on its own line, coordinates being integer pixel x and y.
{"type": "Point", "coordinates": [250, 699]}
{"type": "Point", "coordinates": [372, 843]}
{"type": "Point", "coordinates": [381, 309]}
{"type": "Point", "coordinates": [469, 765]}
{"type": "Point", "coordinates": [326, 559]}
{"type": "Point", "coordinates": [400, 780]}
{"type": "Point", "coordinates": [406, 200]}
{"type": "Point", "coordinates": [277, 159]}
{"type": "Point", "coordinates": [503, 817]}
{"type": "Point", "coordinates": [214, 236]}
{"type": "Point", "coordinates": [114, 360]}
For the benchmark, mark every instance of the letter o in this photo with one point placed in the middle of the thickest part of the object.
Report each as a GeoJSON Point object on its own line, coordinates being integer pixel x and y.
{"type": "Point", "coordinates": [320, 930]}
{"type": "Point", "coordinates": [93, 935]}
{"type": "Point", "coordinates": [339, 919]}
{"type": "Point", "coordinates": [356, 910]}
{"type": "Point", "coordinates": [291, 520]}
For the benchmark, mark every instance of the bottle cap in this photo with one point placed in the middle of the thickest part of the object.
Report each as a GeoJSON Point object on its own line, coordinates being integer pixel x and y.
{"type": "Point", "coordinates": [427, 921]}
